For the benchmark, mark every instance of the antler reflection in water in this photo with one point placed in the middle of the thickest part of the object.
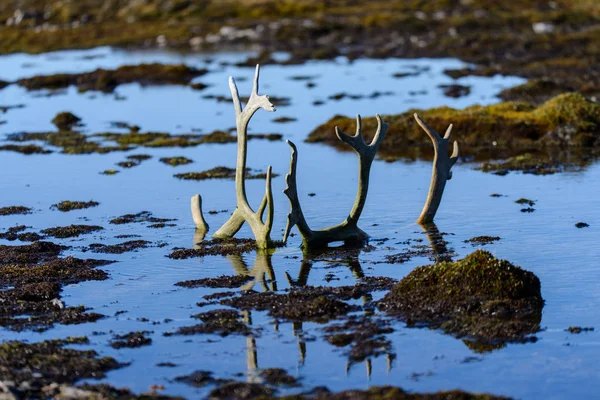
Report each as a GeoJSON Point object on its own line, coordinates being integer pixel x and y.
{"type": "Point", "coordinates": [437, 242]}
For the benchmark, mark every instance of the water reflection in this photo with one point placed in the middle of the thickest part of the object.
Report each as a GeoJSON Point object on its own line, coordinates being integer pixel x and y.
{"type": "Point", "coordinates": [439, 245]}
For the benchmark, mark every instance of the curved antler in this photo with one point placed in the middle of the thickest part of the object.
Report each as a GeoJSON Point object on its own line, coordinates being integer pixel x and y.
{"type": "Point", "coordinates": [348, 230]}
{"type": "Point", "coordinates": [441, 171]}
{"type": "Point", "coordinates": [243, 212]}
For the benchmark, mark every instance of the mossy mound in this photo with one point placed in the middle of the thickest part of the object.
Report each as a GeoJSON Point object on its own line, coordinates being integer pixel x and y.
{"type": "Point", "coordinates": [107, 80]}
{"type": "Point", "coordinates": [481, 297]}
{"type": "Point", "coordinates": [499, 130]}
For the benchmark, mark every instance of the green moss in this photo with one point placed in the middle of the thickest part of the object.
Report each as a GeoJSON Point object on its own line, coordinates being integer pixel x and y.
{"type": "Point", "coordinates": [25, 149]}
{"type": "Point", "coordinates": [534, 164]}
{"type": "Point", "coordinates": [221, 322]}
{"type": "Point", "coordinates": [143, 216]}
{"type": "Point", "coordinates": [523, 200]}
{"type": "Point", "coordinates": [34, 365]}
{"type": "Point", "coordinates": [219, 173]}
{"type": "Point", "coordinates": [15, 210]}
{"type": "Point", "coordinates": [67, 205]}
{"type": "Point", "coordinates": [500, 129]}
{"type": "Point", "coordinates": [486, 299]}
{"type": "Point", "coordinates": [71, 231]}
{"type": "Point", "coordinates": [131, 340]}
{"type": "Point", "coordinates": [176, 161]}
{"type": "Point", "coordinates": [482, 240]}
{"type": "Point", "coordinates": [66, 121]}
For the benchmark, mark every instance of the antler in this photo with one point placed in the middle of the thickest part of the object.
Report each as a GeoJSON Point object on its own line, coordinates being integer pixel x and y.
{"type": "Point", "coordinates": [441, 171]}
{"type": "Point", "coordinates": [243, 212]}
{"type": "Point", "coordinates": [201, 225]}
{"type": "Point", "coordinates": [347, 231]}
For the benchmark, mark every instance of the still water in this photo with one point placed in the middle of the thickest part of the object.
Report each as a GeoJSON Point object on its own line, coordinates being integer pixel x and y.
{"type": "Point", "coordinates": [140, 293]}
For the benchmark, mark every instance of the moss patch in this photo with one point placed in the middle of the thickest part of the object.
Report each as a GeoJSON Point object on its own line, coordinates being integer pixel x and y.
{"type": "Point", "coordinates": [221, 322]}
{"type": "Point", "coordinates": [67, 205]}
{"type": "Point", "coordinates": [141, 217]}
{"type": "Point", "coordinates": [107, 80]}
{"type": "Point", "coordinates": [567, 120]}
{"type": "Point", "coordinates": [15, 210]}
{"type": "Point", "coordinates": [364, 336]}
{"type": "Point", "coordinates": [223, 281]}
{"type": "Point", "coordinates": [31, 366]}
{"type": "Point", "coordinates": [66, 121]}
{"type": "Point", "coordinates": [296, 305]}
{"type": "Point", "coordinates": [481, 297]}
{"type": "Point", "coordinates": [176, 161]}
{"type": "Point", "coordinates": [119, 248]}
{"type": "Point", "coordinates": [220, 173]}
{"type": "Point", "coordinates": [482, 240]}
{"type": "Point", "coordinates": [215, 247]}
{"type": "Point", "coordinates": [27, 149]}
{"type": "Point", "coordinates": [70, 231]}
{"type": "Point", "coordinates": [33, 276]}
{"type": "Point", "coordinates": [131, 340]}
{"type": "Point", "coordinates": [16, 233]}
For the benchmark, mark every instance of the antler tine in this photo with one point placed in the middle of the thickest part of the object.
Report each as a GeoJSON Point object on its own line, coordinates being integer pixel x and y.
{"type": "Point", "coordinates": [256, 77]}
{"type": "Point", "coordinates": [441, 170]}
{"type": "Point", "coordinates": [237, 103]}
{"type": "Point", "coordinates": [352, 141]}
{"type": "Point", "coordinates": [454, 156]}
{"type": "Point", "coordinates": [379, 134]}
{"type": "Point", "coordinates": [448, 132]}
{"type": "Point", "coordinates": [429, 130]}
{"type": "Point", "coordinates": [358, 133]}
{"type": "Point", "coordinates": [196, 205]}
{"type": "Point", "coordinates": [269, 196]}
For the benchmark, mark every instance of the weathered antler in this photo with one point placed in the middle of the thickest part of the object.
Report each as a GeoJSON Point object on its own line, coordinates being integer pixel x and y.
{"type": "Point", "coordinates": [441, 172]}
{"type": "Point", "coordinates": [201, 225]}
{"type": "Point", "coordinates": [243, 212]}
{"type": "Point", "coordinates": [347, 231]}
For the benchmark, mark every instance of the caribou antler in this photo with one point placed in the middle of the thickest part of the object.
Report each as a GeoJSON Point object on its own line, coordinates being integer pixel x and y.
{"type": "Point", "coordinates": [201, 225]}
{"type": "Point", "coordinates": [243, 212]}
{"type": "Point", "coordinates": [347, 231]}
{"type": "Point", "coordinates": [441, 172]}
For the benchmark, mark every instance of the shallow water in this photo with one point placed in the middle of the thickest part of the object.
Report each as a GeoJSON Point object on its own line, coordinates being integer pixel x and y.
{"type": "Point", "coordinates": [545, 242]}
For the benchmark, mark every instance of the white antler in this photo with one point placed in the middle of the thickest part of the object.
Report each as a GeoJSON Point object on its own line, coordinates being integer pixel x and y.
{"type": "Point", "coordinates": [243, 212]}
